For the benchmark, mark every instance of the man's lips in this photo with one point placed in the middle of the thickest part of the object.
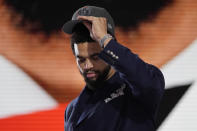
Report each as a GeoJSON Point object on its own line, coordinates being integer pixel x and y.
{"type": "Point", "coordinates": [90, 75]}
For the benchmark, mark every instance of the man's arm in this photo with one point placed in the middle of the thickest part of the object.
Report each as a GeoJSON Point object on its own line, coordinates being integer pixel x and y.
{"type": "Point", "coordinates": [147, 80]}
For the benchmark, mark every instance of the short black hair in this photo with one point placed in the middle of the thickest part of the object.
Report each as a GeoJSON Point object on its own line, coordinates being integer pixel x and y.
{"type": "Point", "coordinates": [81, 34]}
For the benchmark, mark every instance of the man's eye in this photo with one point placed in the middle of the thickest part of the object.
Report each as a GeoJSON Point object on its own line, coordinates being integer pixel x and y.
{"type": "Point", "coordinates": [81, 60]}
{"type": "Point", "coordinates": [95, 57]}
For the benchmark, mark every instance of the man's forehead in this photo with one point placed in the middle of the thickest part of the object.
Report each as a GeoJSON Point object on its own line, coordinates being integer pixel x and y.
{"type": "Point", "coordinates": [86, 49]}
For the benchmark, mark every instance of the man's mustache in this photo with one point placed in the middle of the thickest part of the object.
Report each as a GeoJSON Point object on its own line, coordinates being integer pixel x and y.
{"type": "Point", "coordinates": [91, 71]}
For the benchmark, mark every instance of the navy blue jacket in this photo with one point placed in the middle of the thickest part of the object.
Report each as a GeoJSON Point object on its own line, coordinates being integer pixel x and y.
{"type": "Point", "coordinates": [128, 101]}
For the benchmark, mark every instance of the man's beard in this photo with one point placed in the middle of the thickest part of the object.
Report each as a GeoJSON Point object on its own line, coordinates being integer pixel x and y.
{"type": "Point", "coordinates": [102, 76]}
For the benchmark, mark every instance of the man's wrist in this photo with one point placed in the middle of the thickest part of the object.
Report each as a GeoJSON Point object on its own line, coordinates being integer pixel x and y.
{"type": "Point", "coordinates": [103, 41]}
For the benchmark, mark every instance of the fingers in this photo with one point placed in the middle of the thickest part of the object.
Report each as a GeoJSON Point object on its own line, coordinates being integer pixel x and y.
{"type": "Point", "coordinates": [97, 26]}
{"type": "Point", "coordinates": [90, 21]}
{"type": "Point", "coordinates": [90, 18]}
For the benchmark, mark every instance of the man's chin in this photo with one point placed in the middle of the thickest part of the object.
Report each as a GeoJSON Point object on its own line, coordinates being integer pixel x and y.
{"type": "Point", "coordinates": [92, 81]}
{"type": "Point", "coordinates": [97, 79]}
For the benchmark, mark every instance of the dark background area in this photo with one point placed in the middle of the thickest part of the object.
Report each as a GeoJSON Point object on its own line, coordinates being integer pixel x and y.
{"type": "Point", "coordinates": [49, 16]}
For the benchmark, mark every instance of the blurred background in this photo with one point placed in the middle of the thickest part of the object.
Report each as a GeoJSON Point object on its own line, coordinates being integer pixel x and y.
{"type": "Point", "coordinates": [39, 76]}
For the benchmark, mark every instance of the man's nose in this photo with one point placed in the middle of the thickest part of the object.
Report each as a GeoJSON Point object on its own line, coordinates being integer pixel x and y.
{"type": "Point", "coordinates": [88, 64]}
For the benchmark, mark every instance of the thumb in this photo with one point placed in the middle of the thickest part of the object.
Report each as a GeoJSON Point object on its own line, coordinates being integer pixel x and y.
{"type": "Point", "coordinates": [88, 25]}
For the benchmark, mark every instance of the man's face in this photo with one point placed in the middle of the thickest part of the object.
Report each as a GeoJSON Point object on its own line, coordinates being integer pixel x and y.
{"type": "Point", "coordinates": [93, 69]}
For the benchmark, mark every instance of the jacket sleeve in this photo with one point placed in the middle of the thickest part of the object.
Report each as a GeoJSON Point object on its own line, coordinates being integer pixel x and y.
{"type": "Point", "coordinates": [147, 81]}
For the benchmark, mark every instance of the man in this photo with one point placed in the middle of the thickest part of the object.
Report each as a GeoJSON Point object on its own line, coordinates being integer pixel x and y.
{"type": "Point", "coordinates": [122, 92]}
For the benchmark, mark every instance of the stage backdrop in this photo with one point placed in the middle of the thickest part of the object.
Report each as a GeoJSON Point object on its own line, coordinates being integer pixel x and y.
{"type": "Point", "coordinates": [39, 76]}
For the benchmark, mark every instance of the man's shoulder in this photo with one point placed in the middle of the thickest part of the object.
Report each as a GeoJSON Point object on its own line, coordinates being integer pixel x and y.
{"type": "Point", "coordinates": [72, 104]}
{"type": "Point", "coordinates": [70, 108]}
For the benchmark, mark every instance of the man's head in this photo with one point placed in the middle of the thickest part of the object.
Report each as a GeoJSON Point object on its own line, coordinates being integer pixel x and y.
{"type": "Point", "coordinates": [86, 51]}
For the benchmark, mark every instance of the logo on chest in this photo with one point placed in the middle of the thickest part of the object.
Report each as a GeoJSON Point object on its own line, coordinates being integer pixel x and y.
{"type": "Point", "coordinates": [116, 93]}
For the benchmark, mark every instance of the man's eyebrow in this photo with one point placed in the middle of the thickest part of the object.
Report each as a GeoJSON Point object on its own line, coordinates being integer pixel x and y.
{"type": "Point", "coordinates": [95, 54]}
{"type": "Point", "coordinates": [78, 56]}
